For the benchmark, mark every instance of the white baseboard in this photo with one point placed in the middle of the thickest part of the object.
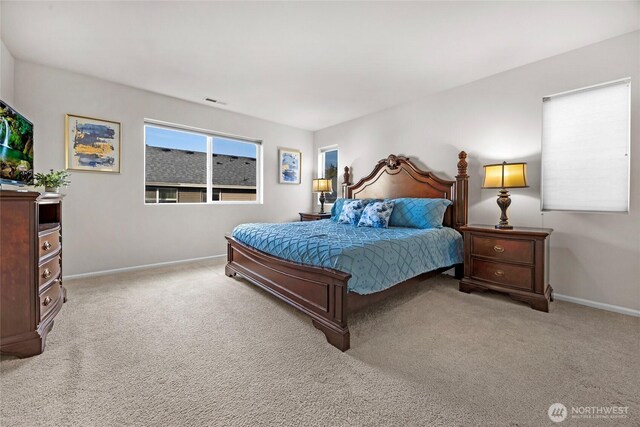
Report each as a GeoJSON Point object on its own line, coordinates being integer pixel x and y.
{"type": "Point", "coordinates": [600, 305]}
{"type": "Point", "coordinates": [219, 259]}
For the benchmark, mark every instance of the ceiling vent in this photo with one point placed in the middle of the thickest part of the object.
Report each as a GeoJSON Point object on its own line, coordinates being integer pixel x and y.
{"type": "Point", "coordinates": [215, 101]}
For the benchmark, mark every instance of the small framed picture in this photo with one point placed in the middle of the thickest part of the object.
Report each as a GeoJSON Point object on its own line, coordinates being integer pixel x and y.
{"type": "Point", "coordinates": [290, 165]}
{"type": "Point", "coordinates": [92, 144]}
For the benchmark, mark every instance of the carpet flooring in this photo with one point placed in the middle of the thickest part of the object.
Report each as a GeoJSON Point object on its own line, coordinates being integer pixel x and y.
{"type": "Point", "coordinates": [186, 345]}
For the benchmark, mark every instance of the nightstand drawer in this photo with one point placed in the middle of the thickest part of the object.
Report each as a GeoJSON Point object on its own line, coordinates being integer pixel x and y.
{"type": "Point", "coordinates": [503, 249]}
{"type": "Point", "coordinates": [316, 216]}
{"type": "Point", "coordinates": [516, 276]}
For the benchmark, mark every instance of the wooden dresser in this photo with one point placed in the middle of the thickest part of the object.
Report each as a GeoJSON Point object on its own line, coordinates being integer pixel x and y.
{"type": "Point", "coordinates": [514, 261]}
{"type": "Point", "coordinates": [31, 291]}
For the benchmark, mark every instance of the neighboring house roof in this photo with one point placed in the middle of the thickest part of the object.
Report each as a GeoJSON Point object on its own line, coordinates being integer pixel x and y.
{"type": "Point", "coordinates": [189, 167]}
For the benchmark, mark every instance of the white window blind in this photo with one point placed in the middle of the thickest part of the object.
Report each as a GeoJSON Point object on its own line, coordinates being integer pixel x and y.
{"type": "Point", "coordinates": [585, 149]}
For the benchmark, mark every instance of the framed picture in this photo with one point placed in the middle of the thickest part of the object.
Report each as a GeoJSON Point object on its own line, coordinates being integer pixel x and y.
{"type": "Point", "coordinates": [92, 144]}
{"type": "Point", "coordinates": [290, 166]}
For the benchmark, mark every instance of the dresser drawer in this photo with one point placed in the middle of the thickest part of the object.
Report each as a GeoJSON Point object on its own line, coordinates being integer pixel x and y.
{"type": "Point", "coordinates": [49, 298]}
{"type": "Point", "coordinates": [516, 276]}
{"type": "Point", "coordinates": [49, 271]}
{"type": "Point", "coordinates": [503, 249]}
{"type": "Point", "coordinates": [48, 243]}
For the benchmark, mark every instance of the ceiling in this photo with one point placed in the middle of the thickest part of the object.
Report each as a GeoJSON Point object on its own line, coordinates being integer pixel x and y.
{"type": "Point", "coordinates": [305, 64]}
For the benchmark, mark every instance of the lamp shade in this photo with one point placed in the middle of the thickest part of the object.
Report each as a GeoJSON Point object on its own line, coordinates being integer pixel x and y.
{"type": "Point", "coordinates": [505, 175]}
{"type": "Point", "coordinates": [322, 185]}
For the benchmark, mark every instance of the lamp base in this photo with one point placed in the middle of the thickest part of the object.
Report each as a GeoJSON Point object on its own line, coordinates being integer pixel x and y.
{"type": "Point", "coordinates": [504, 200]}
{"type": "Point", "coordinates": [322, 200]}
{"type": "Point", "coordinates": [504, 227]}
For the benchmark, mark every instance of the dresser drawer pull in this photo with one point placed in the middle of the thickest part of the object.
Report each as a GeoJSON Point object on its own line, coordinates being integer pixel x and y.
{"type": "Point", "coordinates": [46, 245]}
{"type": "Point", "coordinates": [46, 301]}
{"type": "Point", "coordinates": [499, 273]}
{"type": "Point", "coordinates": [498, 249]}
{"type": "Point", "coordinates": [46, 273]}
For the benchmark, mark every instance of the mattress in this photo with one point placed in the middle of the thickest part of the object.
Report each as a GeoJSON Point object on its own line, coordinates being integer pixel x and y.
{"type": "Point", "coordinates": [376, 258]}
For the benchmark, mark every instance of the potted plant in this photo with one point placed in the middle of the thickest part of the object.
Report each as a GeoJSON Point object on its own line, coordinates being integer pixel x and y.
{"type": "Point", "coordinates": [51, 181]}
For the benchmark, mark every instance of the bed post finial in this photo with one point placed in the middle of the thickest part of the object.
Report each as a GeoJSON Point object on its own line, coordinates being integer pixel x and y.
{"type": "Point", "coordinates": [346, 181]}
{"type": "Point", "coordinates": [462, 164]}
{"type": "Point", "coordinates": [462, 191]}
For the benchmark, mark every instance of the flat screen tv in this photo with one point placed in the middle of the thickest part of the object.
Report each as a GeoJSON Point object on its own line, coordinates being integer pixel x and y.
{"type": "Point", "coordinates": [16, 146]}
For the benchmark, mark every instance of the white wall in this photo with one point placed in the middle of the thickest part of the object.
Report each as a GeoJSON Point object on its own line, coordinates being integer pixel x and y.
{"type": "Point", "coordinates": [106, 223]}
{"type": "Point", "coordinates": [7, 64]}
{"type": "Point", "coordinates": [593, 256]}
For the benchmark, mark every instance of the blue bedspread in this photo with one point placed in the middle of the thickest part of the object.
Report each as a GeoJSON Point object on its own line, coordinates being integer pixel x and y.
{"type": "Point", "coordinates": [376, 258]}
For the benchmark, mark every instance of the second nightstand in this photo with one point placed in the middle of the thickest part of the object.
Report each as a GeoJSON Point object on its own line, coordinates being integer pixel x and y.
{"type": "Point", "coordinates": [512, 261]}
{"type": "Point", "coordinates": [314, 216]}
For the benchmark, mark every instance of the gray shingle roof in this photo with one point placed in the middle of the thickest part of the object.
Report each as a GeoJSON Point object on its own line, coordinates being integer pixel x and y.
{"type": "Point", "coordinates": [189, 167]}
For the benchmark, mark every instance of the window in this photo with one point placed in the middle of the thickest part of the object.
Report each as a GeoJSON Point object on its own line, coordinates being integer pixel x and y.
{"type": "Point", "coordinates": [328, 169]}
{"type": "Point", "coordinates": [585, 149]}
{"type": "Point", "coordinates": [192, 166]}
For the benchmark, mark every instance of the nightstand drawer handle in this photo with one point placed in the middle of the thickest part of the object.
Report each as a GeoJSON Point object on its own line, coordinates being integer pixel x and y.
{"type": "Point", "coordinates": [498, 249]}
{"type": "Point", "coordinates": [46, 301]}
{"type": "Point", "coordinates": [46, 245]}
{"type": "Point", "coordinates": [46, 274]}
{"type": "Point", "coordinates": [499, 273]}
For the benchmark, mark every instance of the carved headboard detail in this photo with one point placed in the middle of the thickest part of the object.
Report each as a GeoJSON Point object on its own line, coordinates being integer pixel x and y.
{"type": "Point", "coordinates": [397, 176]}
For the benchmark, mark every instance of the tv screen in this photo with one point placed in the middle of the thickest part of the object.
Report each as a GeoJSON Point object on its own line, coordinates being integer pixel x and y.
{"type": "Point", "coordinates": [16, 146]}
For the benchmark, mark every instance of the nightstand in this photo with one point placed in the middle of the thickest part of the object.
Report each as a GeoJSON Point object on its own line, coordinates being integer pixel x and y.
{"type": "Point", "coordinates": [314, 216]}
{"type": "Point", "coordinates": [514, 261]}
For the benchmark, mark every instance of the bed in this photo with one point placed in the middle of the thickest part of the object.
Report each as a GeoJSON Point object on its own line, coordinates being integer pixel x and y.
{"type": "Point", "coordinates": [317, 267]}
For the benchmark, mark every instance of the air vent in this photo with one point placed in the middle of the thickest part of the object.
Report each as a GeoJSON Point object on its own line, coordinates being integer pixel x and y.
{"type": "Point", "coordinates": [215, 101]}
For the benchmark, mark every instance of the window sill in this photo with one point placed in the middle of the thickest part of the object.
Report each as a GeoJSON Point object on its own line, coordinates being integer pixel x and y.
{"type": "Point", "coordinates": [204, 203]}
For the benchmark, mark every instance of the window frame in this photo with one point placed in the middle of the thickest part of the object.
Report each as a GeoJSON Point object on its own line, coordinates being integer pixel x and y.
{"type": "Point", "coordinates": [627, 81]}
{"type": "Point", "coordinates": [321, 170]}
{"type": "Point", "coordinates": [210, 135]}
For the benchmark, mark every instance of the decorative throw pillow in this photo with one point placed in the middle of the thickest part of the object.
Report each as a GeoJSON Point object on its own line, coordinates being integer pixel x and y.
{"type": "Point", "coordinates": [419, 213]}
{"type": "Point", "coordinates": [336, 209]}
{"type": "Point", "coordinates": [351, 212]}
{"type": "Point", "coordinates": [377, 214]}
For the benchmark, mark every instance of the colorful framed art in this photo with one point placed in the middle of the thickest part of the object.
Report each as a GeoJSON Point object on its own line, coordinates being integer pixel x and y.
{"type": "Point", "coordinates": [92, 144]}
{"type": "Point", "coordinates": [289, 166]}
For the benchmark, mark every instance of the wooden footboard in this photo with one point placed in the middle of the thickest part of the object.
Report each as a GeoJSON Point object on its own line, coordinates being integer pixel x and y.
{"type": "Point", "coordinates": [319, 292]}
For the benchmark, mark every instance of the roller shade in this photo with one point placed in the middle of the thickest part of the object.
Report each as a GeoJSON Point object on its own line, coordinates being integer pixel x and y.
{"type": "Point", "coordinates": [585, 149]}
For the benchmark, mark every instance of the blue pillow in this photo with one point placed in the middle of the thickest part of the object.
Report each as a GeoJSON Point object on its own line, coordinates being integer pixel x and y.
{"type": "Point", "coordinates": [419, 213]}
{"type": "Point", "coordinates": [336, 209]}
{"type": "Point", "coordinates": [351, 212]}
{"type": "Point", "coordinates": [376, 214]}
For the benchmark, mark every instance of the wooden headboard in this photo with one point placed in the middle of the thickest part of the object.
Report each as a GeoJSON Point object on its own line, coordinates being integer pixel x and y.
{"type": "Point", "coordinates": [397, 176]}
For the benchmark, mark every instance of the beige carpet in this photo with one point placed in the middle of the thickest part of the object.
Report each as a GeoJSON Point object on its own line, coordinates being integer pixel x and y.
{"type": "Point", "coordinates": [188, 346]}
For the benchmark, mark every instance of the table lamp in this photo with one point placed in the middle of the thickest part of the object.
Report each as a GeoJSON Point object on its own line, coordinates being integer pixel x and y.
{"type": "Point", "coordinates": [505, 175]}
{"type": "Point", "coordinates": [322, 186]}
